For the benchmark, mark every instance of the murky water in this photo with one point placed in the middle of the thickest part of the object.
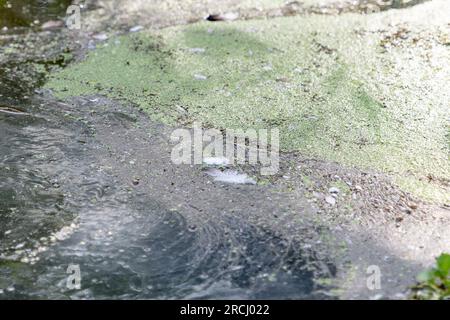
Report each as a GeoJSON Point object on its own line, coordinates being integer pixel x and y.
{"type": "Point", "coordinates": [126, 247]}
{"type": "Point", "coordinates": [26, 13]}
{"type": "Point", "coordinates": [59, 207]}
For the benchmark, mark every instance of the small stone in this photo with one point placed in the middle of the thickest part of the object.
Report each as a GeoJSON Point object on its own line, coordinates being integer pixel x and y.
{"type": "Point", "coordinates": [412, 205]}
{"type": "Point", "coordinates": [52, 24]}
{"type": "Point", "coordinates": [20, 246]}
{"type": "Point", "coordinates": [358, 188]}
{"type": "Point", "coordinates": [135, 181]}
{"type": "Point", "coordinates": [8, 232]}
{"type": "Point", "coordinates": [317, 195]}
{"type": "Point", "coordinates": [200, 77]}
{"type": "Point", "coordinates": [25, 260]}
{"type": "Point", "coordinates": [229, 16]}
{"type": "Point", "coordinates": [100, 37]}
{"type": "Point", "coordinates": [136, 28]}
{"type": "Point", "coordinates": [330, 200]}
{"type": "Point", "coordinates": [333, 190]}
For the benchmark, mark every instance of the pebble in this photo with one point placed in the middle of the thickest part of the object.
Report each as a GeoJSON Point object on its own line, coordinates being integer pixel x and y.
{"type": "Point", "coordinates": [317, 195]}
{"type": "Point", "coordinates": [412, 205]}
{"type": "Point", "coordinates": [52, 24]}
{"type": "Point", "coordinates": [20, 245]}
{"type": "Point", "coordinates": [330, 200]}
{"type": "Point", "coordinates": [333, 190]}
{"type": "Point", "coordinates": [229, 16]}
{"type": "Point", "coordinates": [200, 77]}
{"type": "Point", "coordinates": [136, 28]}
{"type": "Point", "coordinates": [25, 260]}
{"type": "Point", "coordinates": [100, 37]}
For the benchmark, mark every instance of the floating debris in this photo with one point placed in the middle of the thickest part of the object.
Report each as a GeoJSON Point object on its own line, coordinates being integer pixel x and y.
{"type": "Point", "coordinates": [333, 190]}
{"type": "Point", "coordinates": [11, 110]}
{"type": "Point", "coordinates": [330, 200]}
{"type": "Point", "coordinates": [216, 161]}
{"type": "Point", "coordinates": [136, 28]}
{"type": "Point", "coordinates": [197, 50]}
{"type": "Point", "coordinates": [200, 77]}
{"type": "Point", "coordinates": [52, 24]}
{"type": "Point", "coordinates": [230, 176]}
{"type": "Point", "coordinates": [100, 36]}
{"type": "Point", "coordinates": [229, 16]}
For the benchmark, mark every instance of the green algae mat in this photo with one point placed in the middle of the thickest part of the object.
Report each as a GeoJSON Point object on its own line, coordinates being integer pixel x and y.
{"type": "Point", "coordinates": [366, 91]}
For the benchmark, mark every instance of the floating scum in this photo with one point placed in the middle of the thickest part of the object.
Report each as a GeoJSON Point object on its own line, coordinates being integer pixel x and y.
{"type": "Point", "coordinates": [343, 88]}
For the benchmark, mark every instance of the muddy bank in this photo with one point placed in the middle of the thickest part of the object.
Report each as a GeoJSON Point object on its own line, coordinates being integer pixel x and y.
{"type": "Point", "coordinates": [160, 14]}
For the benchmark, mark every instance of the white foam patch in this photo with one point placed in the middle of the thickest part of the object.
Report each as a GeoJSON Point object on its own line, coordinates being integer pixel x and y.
{"type": "Point", "coordinates": [230, 176]}
{"type": "Point", "coordinates": [216, 161]}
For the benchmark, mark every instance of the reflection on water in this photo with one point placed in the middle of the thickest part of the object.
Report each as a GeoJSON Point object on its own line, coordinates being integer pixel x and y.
{"type": "Point", "coordinates": [23, 13]}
